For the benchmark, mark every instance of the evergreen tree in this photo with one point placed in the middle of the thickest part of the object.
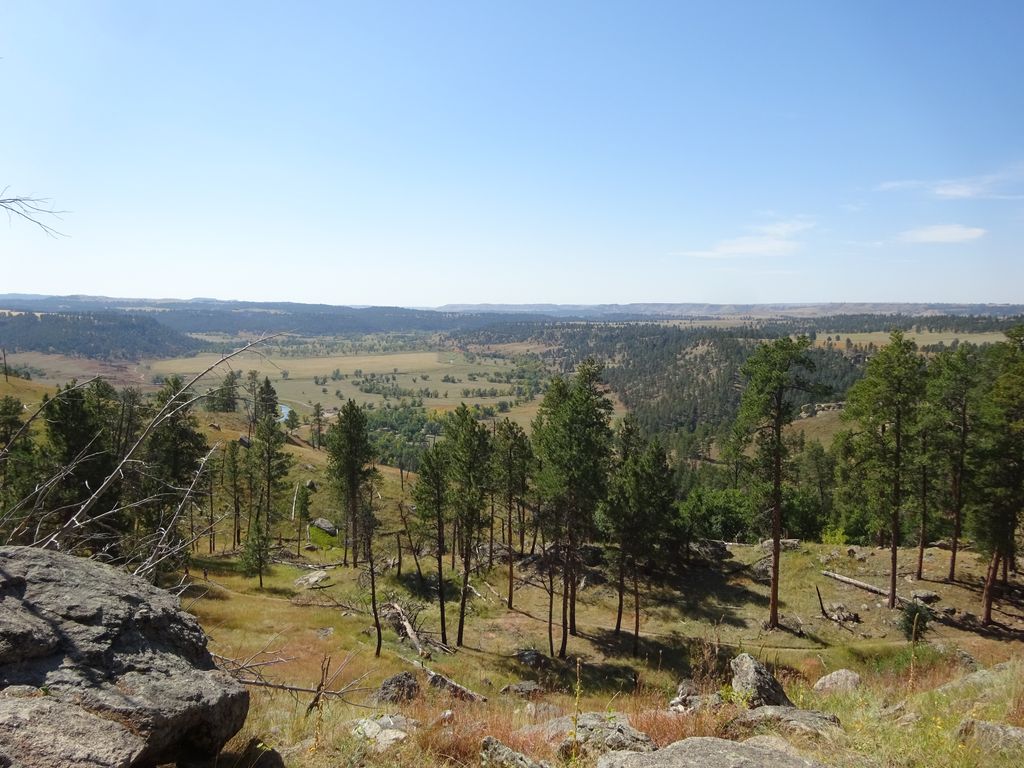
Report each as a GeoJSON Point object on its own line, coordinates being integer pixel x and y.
{"type": "Point", "coordinates": [349, 456]}
{"type": "Point", "coordinates": [468, 446]}
{"type": "Point", "coordinates": [431, 496]}
{"type": "Point", "coordinates": [572, 440]}
{"type": "Point", "coordinates": [317, 426]}
{"type": "Point", "coordinates": [774, 373]}
{"type": "Point", "coordinates": [885, 404]}
{"type": "Point", "coordinates": [513, 463]}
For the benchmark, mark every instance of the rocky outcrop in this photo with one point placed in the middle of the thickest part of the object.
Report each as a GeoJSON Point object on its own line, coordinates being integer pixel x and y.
{"type": "Point", "coordinates": [398, 689]}
{"type": "Point", "coordinates": [593, 733]}
{"type": "Point", "coordinates": [788, 720]}
{"type": "Point", "coordinates": [688, 698]}
{"type": "Point", "coordinates": [752, 681]}
{"type": "Point", "coordinates": [494, 754]}
{"type": "Point", "coordinates": [708, 752]}
{"type": "Point", "coordinates": [840, 681]}
{"type": "Point", "coordinates": [324, 525]}
{"type": "Point", "coordinates": [988, 735]}
{"type": "Point", "coordinates": [98, 668]}
{"type": "Point", "coordinates": [385, 731]}
{"type": "Point", "coordinates": [526, 689]}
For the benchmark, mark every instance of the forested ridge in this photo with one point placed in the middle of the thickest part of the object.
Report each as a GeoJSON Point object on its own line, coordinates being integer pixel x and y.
{"type": "Point", "coordinates": [105, 335]}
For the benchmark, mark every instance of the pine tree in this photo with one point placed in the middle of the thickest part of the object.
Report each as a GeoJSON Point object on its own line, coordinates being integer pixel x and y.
{"type": "Point", "coordinates": [431, 496]}
{"type": "Point", "coordinates": [349, 456]}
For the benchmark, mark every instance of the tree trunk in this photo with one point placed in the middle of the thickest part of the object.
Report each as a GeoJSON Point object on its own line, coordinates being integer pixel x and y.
{"type": "Point", "coordinates": [373, 600]}
{"type": "Point", "coordinates": [551, 610]}
{"type": "Point", "coordinates": [467, 556]}
{"type": "Point", "coordinates": [572, 594]}
{"type": "Point", "coordinates": [621, 587]}
{"type": "Point", "coordinates": [773, 602]}
{"type": "Point", "coordinates": [958, 492]}
{"type": "Point", "coordinates": [440, 576]}
{"type": "Point", "coordinates": [895, 523]}
{"type": "Point", "coordinates": [565, 610]}
{"type": "Point", "coordinates": [922, 533]}
{"type": "Point", "coordinates": [636, 609]}
{"type": "Point", "coordinates": [398, 541]}
{"type": "Point", "coordinates": [988, 595]}
{"type": "Point", "coordinates": [490, 551]}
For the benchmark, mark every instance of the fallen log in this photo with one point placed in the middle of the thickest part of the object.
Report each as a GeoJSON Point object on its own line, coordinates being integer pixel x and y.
{"type": "Point", "coordinates": [400, 622]}
{"type": "Point", "coordinates": [864, 585]}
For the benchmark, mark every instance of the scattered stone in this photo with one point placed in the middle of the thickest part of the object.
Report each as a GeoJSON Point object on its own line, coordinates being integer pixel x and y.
{"type": "Point", "coordinates": [311, 485]}
{"type": "Point", "coordinates": [689, 699]}
{"type": "Point", "coordinates": [788, 719]}
{"type": "Point", "coordinates": [128, 677]}
{"type": "Point", "coordinates": [494, 754]}
{"type": "Point", "coordinates": [752, 680]}
{"type": "Point", "coordinates": [761, 570]}
{"type": "Point", "coordinates": [711, 550]}
{"type": "Point", "coordinates": [325, 632]}
{"type": "Point", "coordinates": [595, 734]}
{"type": "Point", "coordinates": [385, 731]}
{"type": "Point", "coordinates": [925, 596]}
{"type": "Point", "coordinates": [948, 610]}
{"type": "Point", "coordinates": [436, 680]}
{"type": "Point", "coordinates": [852, 552]}
{"type": "Point", "coordinates": [786, 545]}
{"type": "Point", "coordinates": [991, 735]}
{"type": "Point", "coordinates": [532, 658]}
{"type": "Point", "coordinates": [312, 579]}
{"type": "Point", "coordinates": [840, 681]}
{"type": "Point", "coordinates": [708, 752]}
{"type": "Point", "coordinates": [527, 689]}
{"type": "Point", "coordinates": [398, 689]}
{"type": "Point", "coordinates": [325, 525]}
{"type": "Point", "coordinates": [982, 678]}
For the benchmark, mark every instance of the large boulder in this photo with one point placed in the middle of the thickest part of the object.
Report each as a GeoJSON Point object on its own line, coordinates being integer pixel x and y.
{"type": "Point", "coordinates": [325, 525]}
{"type": "Point", "coordinates": [708, 752]}
{"type": "Point", "coordinates": [840, 681]}
{"type": "Point", "coordinates": [383, 732]}
{"type": "Point", "coordinates": [789, 720]}
{"type": "Point", "coordinates": [752, 681]}
{"type": "Point", "coordinates": [398, 689]}
{"type": "Point", "coordinates": [99, 668]}
{"type": "Point", "coordinates": [989, 735]}
{"type": "Point", "coordinates": [688, 699]}
{"type": "Point", "coordinates": [494, 754]}
{"type": "Point", "coordinates": [592, 733]}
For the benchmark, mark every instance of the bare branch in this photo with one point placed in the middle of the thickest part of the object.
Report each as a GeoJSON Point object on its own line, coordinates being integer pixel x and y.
{"type": "Point", "coordinates": [31, 209]}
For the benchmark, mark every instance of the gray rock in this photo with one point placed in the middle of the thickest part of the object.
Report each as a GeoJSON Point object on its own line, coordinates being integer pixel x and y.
{"type": "Point", "coordinates": [708, 752]}
{"type": "Point", "coordinates": [398, 689]}
{"type": "Point", "coordinates": [595, 734]}
{"type": "Point", "coordinates": [532, 658]}
{"type": "Point", "coordinates": [982, 678]}
{"type": "Point", "coordinates": [383, 732]}
{"type": "Point", "coordinates": [925, 596]}
{"type": "Point", "coordinates": [788, 720]}
{"type": "Point", "coordinates": [494, 754]}
{"type": "Point", "coordinates": [773, 742]}
{"type": "Point", "coordinates": [127, 672]}
{"type": "Point", "coordinates": [761, 570]}
{"type": "Point", "coordinates": [840, 681]}
{"type": "Point", "coordinates": [325, 525]}
{"type": "Point", "coordinates": [312, 579]}
{"type": "Point", "coordinates": [526, 689]}
{"type": "Point", "coordinates": [786, 545]}
{"type": "Point", "coordinates": [752, 680]}
{"type": "Point", "coordinates": [688, 698]}
{"type": "Point", "coordinates": [998, 736]}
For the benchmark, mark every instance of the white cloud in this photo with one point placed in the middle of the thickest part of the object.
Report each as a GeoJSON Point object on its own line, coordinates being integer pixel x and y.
{"type": "Point", "coordinates": [941, 233]}
{"type": "Point", "coordinates": [775, 238]}
{"type": "Point", "coordinates": [1002, 185]}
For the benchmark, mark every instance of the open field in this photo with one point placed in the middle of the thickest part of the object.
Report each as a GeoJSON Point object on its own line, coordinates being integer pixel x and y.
{"type": "Point", "coordinates": [922, 338]}
{"type": "Point", "coordinates": [411, 370]}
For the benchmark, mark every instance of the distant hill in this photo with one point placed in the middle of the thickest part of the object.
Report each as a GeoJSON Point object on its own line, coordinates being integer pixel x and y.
{"type": "Point", "coordinates": [758, 311]}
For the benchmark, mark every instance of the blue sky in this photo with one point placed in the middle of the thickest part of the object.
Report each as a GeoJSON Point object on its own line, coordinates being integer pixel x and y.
{"type": "Point", "coordinates": [422, 153]}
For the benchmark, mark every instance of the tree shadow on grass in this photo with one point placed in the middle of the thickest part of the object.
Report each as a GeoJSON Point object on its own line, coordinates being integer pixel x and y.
{"type": "Point", "coordinates": [708, 595]}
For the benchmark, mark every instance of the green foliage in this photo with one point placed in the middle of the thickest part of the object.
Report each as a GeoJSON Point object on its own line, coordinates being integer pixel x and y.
{"type": "Point", "coordinates": [914, 619]}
